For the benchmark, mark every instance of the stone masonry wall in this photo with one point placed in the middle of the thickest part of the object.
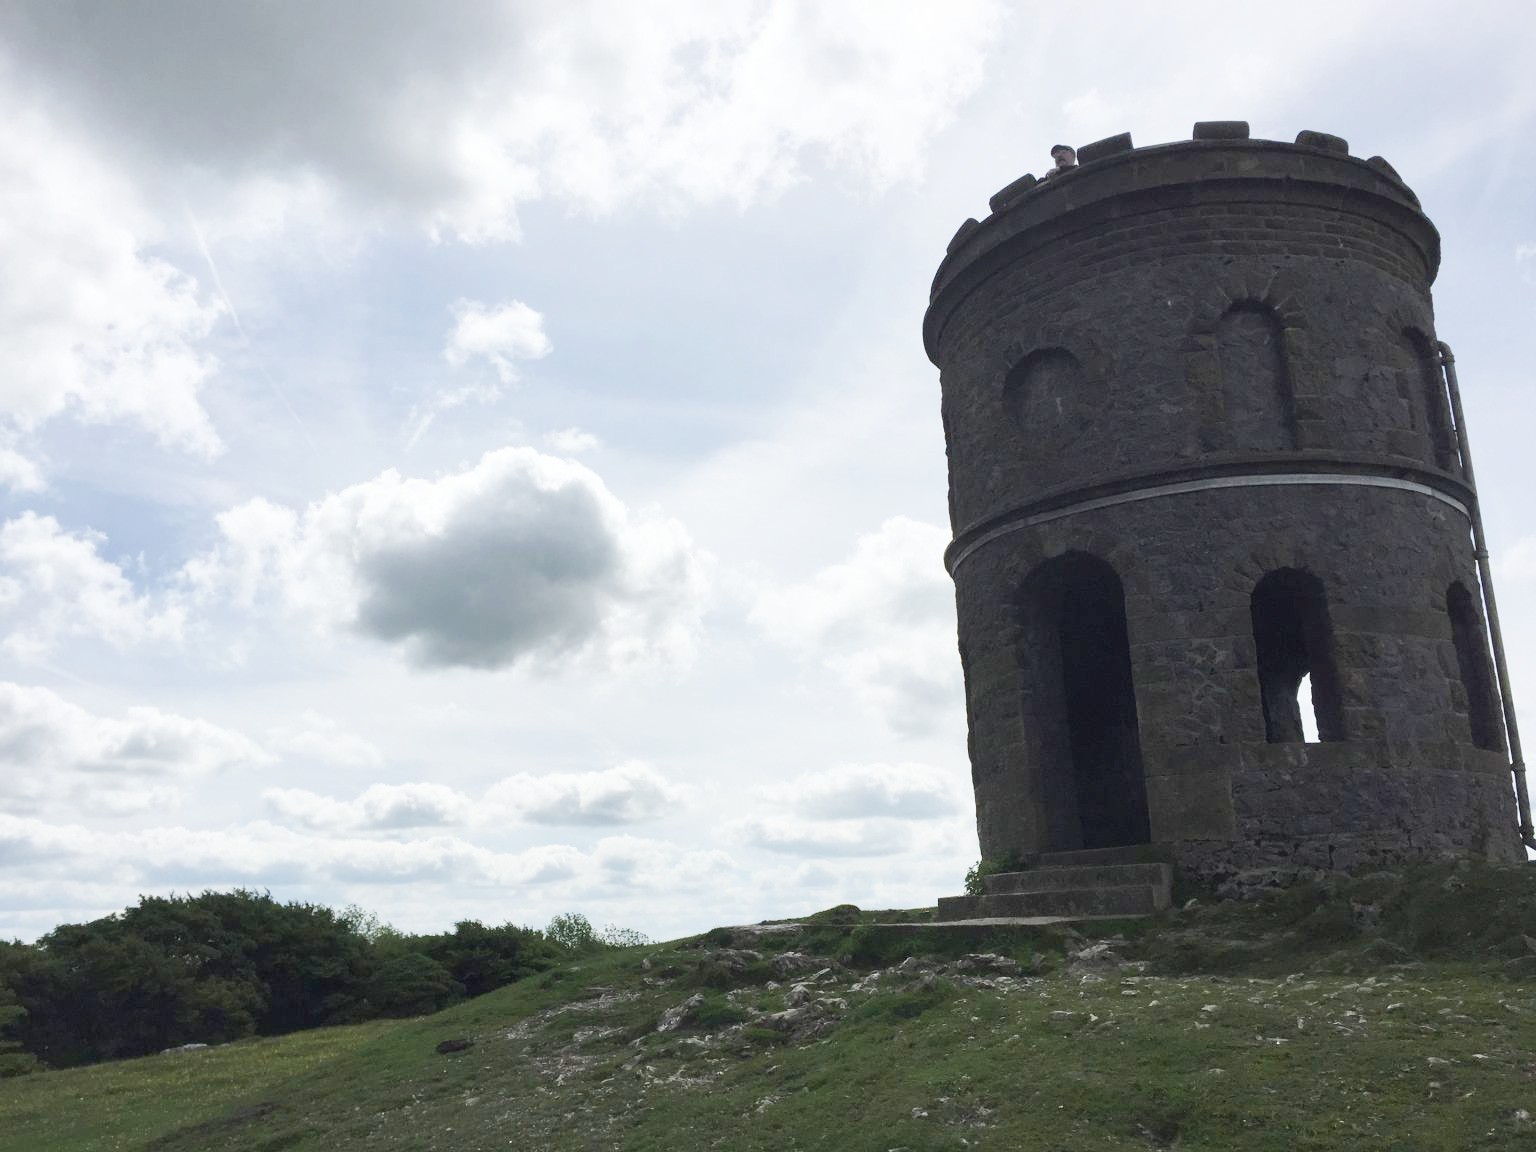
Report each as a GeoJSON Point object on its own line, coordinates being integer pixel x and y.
{"type": "Point", "coordinates": [1219, 312]}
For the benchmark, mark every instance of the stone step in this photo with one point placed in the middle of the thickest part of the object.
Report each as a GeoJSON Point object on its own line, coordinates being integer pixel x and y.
{"type": "Point", "coordinates": [1108, 900]}
{"type": "Point", "coordinates": [1128, 854]}
{"type": "Point", "coordinates": [1046, 879]}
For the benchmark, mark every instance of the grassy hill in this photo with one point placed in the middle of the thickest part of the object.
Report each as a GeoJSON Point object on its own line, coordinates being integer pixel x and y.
{"type": "Point", "coordinates": [1390, 1011]}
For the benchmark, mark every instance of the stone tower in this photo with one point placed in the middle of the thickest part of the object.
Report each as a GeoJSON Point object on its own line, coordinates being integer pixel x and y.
{"type": "Point", "coordinates": [1202, 456]}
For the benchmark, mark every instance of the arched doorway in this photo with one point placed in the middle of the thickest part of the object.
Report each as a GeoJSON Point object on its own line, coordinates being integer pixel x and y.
{"type": "Point", "coordinates": [1081, 700]}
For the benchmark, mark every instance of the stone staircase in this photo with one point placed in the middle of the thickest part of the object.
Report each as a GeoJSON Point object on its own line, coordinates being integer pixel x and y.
{"type": "Point", "coordinates": [1133, 881]}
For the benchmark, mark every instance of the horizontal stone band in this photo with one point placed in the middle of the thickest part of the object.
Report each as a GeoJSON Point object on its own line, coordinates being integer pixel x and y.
{"type": "Point", "coordinates": [957, 555]}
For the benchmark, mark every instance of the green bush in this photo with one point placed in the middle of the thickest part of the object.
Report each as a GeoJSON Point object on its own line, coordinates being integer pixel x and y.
{"type": "Point", "coordinates": [984, 868]}
{"type": "Point", "coordinates": [837, 914]}
{"type": "Point", "coordinates": [412, 984]}
{"type": "Point", "coordinates": [573, 932]}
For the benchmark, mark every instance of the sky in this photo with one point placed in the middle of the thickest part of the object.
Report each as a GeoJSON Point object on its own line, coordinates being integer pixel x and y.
{"type": "Point", "coordinates": [478, 460]}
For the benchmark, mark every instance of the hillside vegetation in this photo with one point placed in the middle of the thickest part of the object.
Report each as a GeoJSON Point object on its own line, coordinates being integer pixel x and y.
{"type": "Point", "coordinates": [223, 966]}
{"type": "Point", "coordinates": [1385, 1011]}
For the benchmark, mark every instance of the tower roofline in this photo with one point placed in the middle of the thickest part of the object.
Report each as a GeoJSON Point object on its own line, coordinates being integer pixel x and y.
{"type": "Point", "coordinates": [1114, 179]}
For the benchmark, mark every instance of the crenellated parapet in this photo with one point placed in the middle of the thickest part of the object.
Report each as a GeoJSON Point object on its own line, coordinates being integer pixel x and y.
{"type": "Point", "coordinates": [1114, 181]}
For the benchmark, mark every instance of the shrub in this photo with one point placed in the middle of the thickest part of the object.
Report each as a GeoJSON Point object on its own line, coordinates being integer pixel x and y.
{"type": "Point", "coordinates": [838, 914]}
{"type": "Point", "coordinates": [573, 932]}
{"type": "Point", "coordinates": [622, 937]}
{"type": "Point", "coordinates": [412, 984]}
{"type": "Point", "coordinates": [983, 868]}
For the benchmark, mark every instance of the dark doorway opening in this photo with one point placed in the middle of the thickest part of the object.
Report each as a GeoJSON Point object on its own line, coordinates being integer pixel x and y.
{"type": "Point", "coordinates": [1084, 705]}
{"type": "Point", "coordinates": [1294, 641]}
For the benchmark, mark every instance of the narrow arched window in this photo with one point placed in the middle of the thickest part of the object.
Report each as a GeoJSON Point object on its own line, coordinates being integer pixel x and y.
{"type": "Point", "coordinates": [1423, 386]}
{"type": "Point", "coordinates": [1293, 638]}
{"type": "Point", "coordinates": [1484, 713]}
{"type": "Point", "coordinates": [1044, 396]}
{"type": "Point", "coordinates": [1256, 390]}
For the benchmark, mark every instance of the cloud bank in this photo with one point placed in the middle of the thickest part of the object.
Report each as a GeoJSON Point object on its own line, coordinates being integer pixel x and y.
{"type": "Point", "coordinates": [458, 121]}
{"type": "Point", "coordinates": [55, 585]}
{"type": "Point", "coordinates": [523, 557]}
{"type": "Point", "coordinates": [629, 794]}
{"type": "Point", "coordinates": [53, 750]}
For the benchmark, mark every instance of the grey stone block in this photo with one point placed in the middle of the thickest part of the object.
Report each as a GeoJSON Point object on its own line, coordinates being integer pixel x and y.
{"type": "Point", "coordinates": [1221, 130]}
{"type": "Point", "coordinates": [1109, 146]}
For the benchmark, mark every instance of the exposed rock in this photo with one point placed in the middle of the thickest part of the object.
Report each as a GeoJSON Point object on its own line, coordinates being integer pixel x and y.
{"type": "Point", "coordinates": [794, 963]}
{"type": "Point", "coordinates": [987, 962]}
{"type": "Point", "coordinates": [457, 1044]}
{"type": "Point", "coordinates": [801, 1023]}
{"type": "Point", "coordinates": [679, 1014]}
{"type": "Point", "coordinates": [1095, 958]}
{"type": "Point", "coordinates": [726, 966]}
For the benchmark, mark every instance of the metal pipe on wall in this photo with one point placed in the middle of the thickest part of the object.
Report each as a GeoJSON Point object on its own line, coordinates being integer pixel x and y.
{"type": "Point", "coordinates": [1485, 576]}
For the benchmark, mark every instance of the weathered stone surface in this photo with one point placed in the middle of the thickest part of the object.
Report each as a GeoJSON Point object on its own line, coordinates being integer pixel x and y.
{"type": "Point", "coordinates": [1183, 372]}
{"type": "Point", "coordinates": [1108, 146]}
{"type": "Point", "coordinates": [1221, 130]}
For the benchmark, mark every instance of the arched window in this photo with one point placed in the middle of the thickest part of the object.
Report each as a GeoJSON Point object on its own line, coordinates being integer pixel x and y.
{"type": "Point", "coordinates": [1294, 640]}
{"type": "Point", "coordinates": [1044, 396]}
{"type": "Point", "coordinates": [1256, 390]}
{"type": "Point", "coordinates": [1083, 707]}
{"type": "Point", "coordinates": [1427, 384]}
{"type": "Point", "coordinates": [1484, 712]}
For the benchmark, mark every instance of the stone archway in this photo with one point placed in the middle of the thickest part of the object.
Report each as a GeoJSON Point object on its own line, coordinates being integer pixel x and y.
{"type": "Point", "coordinates": [1076, 649]}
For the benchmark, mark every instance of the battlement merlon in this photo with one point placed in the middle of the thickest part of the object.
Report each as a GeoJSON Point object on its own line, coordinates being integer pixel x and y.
{"type": "Point", "coordinates": [1115, 180]}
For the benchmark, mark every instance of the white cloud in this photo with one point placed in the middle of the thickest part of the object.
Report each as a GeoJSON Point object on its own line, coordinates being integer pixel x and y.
{"type": "Point", "coordinates": [854, 791]}
{"type": "Point", "coordinates": [501, 335]}
{"type": "Point", "coordinates": [883, 621]}
{"type": "Point", "coordinates": [382, 806]}
{"type": "Point", "coordinates": [55, 584]}
{"type": "Point", "coordinates": [19, 473]}
{"type": "Point", "coordinates": [598, 103]}
{"type": "Point", "coordinates": [859, 810]}
{"type": "Point", "coordinates": [321, 739]}
{"type": "Point", "coordinates": [634, 862]}
{"type": "Point", "coordinates": [51, 749]}
{"type": "Point", "coordinates": [572, 441]}
{"type": "Point", "coordinates": [265, 853]}
{"type": "Point", "coordinates": [521, 557]}
{"type": "Point", "coordinates": [90, 323]}
{"type": "Point", "coordinates": [792, 836]}
{"type": "Point", "coordinates": [629, 794]}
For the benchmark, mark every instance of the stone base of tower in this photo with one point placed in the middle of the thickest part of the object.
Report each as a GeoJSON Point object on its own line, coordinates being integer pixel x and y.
{"type": "Point", "coordinates": [1241, 819]}
{"type": "Point", "coordinates": [1335, 807]}
{"type": "Point", "coordinates": [1106, 882]}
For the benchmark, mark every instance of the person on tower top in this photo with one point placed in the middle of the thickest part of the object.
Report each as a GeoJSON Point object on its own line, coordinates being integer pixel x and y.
{"type": "Point", "coordinates": [1066, 160]}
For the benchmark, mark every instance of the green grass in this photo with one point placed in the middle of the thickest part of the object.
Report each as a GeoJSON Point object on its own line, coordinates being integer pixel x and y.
{"type": "Point", "coordinates": [124, 1105]}
{"type": "Point", "coordinates": [1274, 1026]}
